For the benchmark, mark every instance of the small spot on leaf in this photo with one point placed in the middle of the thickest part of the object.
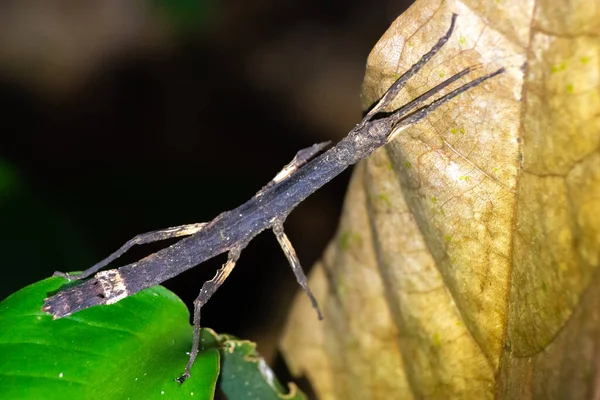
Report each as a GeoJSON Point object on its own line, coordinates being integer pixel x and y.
{"type": "Point", "coordinates": [348, 238]}
{"type": "Point", "coordinates": [345, 240]}
{"type": "Point", "coordinates": [559, 67]}
{"type": "Point", "coordinates": [508, 344]}
{"type": "Point", "coordinates": [570, 88]}
{"type": "Point", "coordinates": [385, 199]}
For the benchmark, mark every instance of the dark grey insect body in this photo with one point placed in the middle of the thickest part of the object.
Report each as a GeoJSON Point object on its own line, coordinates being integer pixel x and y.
{"type": "Point", "coordinates": [232, 230]}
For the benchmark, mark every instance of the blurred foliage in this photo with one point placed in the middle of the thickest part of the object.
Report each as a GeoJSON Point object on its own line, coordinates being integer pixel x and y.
{"type": "Point", "coordinates": [34, 234]}
{"type": "Point", "coordinates": [186, 15]}
{"type": "Point", "coordinates": [9, 180]}
{"type": "Point", "coordinates": [55, 47]}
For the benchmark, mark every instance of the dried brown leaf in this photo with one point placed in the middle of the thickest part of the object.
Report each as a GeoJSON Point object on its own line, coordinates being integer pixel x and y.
{"type": "Point", "coordinates": [464, 262]}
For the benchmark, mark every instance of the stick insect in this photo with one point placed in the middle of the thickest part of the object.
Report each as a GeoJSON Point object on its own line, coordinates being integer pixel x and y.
{"type": "Point", "coordinates": [232, 230]}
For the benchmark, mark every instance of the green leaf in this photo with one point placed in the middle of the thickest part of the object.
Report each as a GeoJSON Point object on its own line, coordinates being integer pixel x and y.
{"type": "Point", "coordinates": [246, 376]}
{"type": "Point", "coordinates": [133, 349]}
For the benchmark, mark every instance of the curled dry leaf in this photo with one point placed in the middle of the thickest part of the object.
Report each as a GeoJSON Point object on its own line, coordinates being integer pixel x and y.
{"type": "Point", "coordinates": [464, 265]}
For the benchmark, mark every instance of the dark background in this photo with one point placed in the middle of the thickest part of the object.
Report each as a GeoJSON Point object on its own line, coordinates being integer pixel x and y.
{"type": "Point", "coordinates": [119, 118]}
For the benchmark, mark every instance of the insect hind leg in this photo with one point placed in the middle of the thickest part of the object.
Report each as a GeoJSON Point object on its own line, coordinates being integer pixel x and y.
{"type": "Point", "coordinates": [144, 238]}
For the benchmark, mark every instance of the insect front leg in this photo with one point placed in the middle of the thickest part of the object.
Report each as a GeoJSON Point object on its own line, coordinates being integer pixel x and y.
{"type": "Point", "coordinates": [302, 157]}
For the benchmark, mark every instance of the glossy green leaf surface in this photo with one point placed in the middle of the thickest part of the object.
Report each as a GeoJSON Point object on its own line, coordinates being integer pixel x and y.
{"type": "Point", "coordinates": [246, 376]}
{"type": "Point", "coordinates": [130, 350]}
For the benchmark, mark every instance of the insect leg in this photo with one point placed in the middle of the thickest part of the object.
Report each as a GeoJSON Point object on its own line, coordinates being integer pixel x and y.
{"type": "Point", "coordinates": [302, 157]}
{"type": "Point", "coordinates": [149, 237]}
{"type": "Point", "coordinates": [208, 289]}
{"type": "Point", "coordinates": [290, 253]}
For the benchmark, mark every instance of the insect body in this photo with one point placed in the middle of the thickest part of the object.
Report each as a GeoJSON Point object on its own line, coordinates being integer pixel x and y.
{"type": "Point", "coordinates": [232, 230]}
